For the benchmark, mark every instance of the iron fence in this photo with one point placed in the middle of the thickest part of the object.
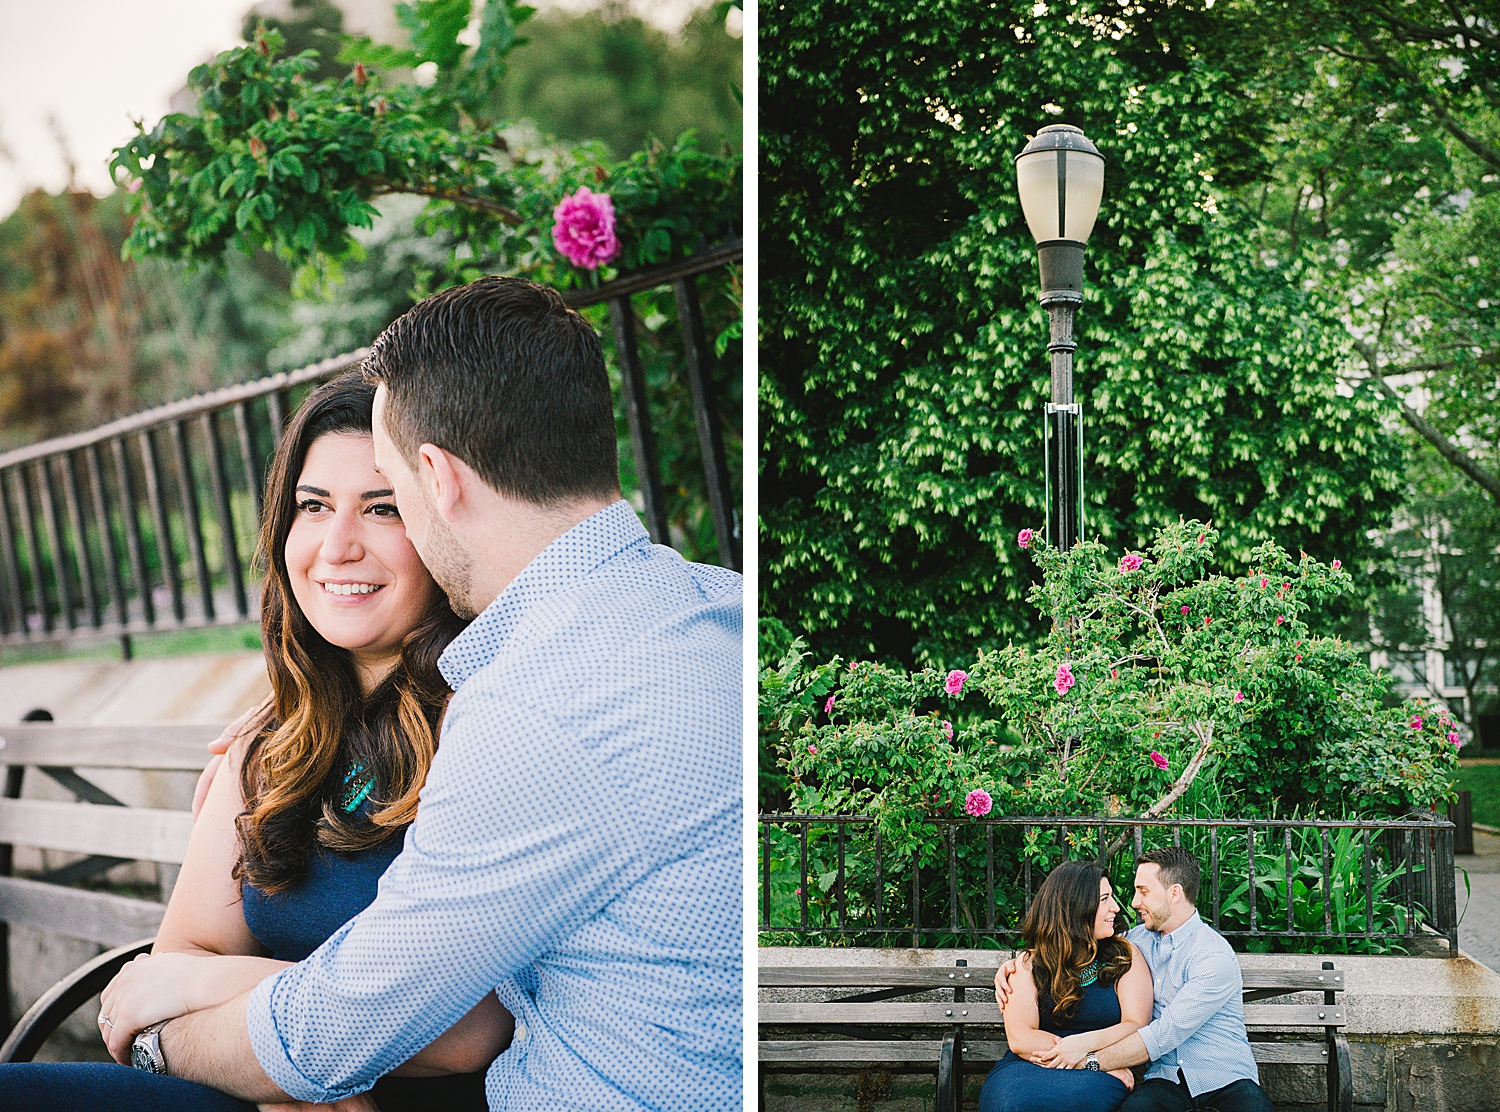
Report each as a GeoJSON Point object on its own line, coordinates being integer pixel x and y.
{"type": "Point", "coordinates": [149, 522]}
{"type": "Point", "coordinates": [1340, 885]}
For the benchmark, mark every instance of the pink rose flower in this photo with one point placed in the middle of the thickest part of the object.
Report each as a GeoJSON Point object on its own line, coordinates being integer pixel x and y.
{"type": "Point", "coordinates": [1279, 619]}
{"type": "Point", "coordinates": [828, 706]}
{"type": "Point", "coordinates": [1416, 722]}
{"type": "Point", "coordinates": [954, 684]}
{"type": "Point", "coordinates": [978, 803]}
{"type": "Point", "coordinates": [1063, 682]}
{"type": "Point", "coordinates": [1263, 581]}
{"type": "Point", "coordinates": [1024, 537]}
{"type": "Point", "coordinates": [1239, 696]}
{"type": "Point", "coordinates": [1158, 760]}
{"type": "Point", "coordinates": [1184, 609]}
{"type": "Point", "coordinates": [584, 229]}
{"type": "Point", "coordinates": [812, 748]}
{"type": "Point", "coordinates": [1130, 562]}
{"type": "Point", "coordinates": [948, 729]}
{"type": "Point", "coordinates": [1453, 737]}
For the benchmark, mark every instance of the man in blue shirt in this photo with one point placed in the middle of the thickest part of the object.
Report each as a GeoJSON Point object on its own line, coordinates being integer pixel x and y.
{"type": "Point", "coordinates": [1196, 1045]}
{"type": "Point", "coordinates": [577, 850]}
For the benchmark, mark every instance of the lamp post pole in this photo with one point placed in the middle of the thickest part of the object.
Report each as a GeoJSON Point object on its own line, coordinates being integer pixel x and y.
{"type": "Point", "coordinates": [1060, 177]}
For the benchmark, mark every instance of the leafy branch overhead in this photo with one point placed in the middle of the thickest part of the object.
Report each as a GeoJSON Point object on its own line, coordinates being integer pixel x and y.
{"type": "Point", "coordinates": [277, 161]}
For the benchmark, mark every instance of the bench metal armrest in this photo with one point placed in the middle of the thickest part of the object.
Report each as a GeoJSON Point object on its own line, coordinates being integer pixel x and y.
{"type": "Point", "coordinates": [63, 999]}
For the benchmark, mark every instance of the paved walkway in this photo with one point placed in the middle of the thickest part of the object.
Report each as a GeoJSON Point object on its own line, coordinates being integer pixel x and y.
{"type": "Point", "coordinates": [1479, 922]}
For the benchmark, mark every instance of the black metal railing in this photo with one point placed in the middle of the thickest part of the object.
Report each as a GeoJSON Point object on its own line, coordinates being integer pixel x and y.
{"type": "Point", "coordinates": [1353, 885]}
{"type": "Point", "coordinates": [149, 522]}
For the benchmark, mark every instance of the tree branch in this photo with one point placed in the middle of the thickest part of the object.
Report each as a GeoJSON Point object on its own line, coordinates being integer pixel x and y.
{"type": "Point", "coordinates": [1423, 428]}
{"type": "Point", "coordinates": [1205, 734]}
{"type": "Point", "coordinates": [507, 214]}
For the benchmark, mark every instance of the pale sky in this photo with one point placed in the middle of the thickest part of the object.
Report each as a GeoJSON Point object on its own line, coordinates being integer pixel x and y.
{"type": "Point", "coordinates": [96, 65]}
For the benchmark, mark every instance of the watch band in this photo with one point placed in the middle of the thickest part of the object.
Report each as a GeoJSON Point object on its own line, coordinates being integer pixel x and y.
{"type": "Point", "coordinates": [145, 1050]}
{"type": "Point", "coordinates": [1092, 1061]}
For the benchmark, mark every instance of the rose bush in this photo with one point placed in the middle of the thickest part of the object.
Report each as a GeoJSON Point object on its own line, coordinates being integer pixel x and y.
{"type": "Point", "coordinates": [1154, 675]}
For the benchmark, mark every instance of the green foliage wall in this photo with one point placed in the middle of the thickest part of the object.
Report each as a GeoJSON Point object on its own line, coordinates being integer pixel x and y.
{"type": "Point", "coordinates": [903, 354]}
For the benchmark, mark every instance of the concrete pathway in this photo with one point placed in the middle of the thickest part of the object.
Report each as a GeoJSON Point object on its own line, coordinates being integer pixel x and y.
{"type": "Point", "coordinates": [1479, 915]}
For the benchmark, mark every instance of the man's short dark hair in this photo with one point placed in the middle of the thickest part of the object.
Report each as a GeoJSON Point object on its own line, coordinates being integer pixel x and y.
{"type": "Point", "coordinates": [504, 375]}
{"type": "Point", "coordinates": [1177, 866]}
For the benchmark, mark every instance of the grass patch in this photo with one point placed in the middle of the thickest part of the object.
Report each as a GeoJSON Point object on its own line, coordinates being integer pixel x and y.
{"type": "Point", "coordinates": [1483, 781]}
{"type": "Point", "coordinates": [144, 646]}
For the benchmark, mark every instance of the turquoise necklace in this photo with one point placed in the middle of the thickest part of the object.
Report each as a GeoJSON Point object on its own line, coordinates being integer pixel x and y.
{"type": "Point", "coordinates": [357, 787]}
{"type": "Point", "coordinates": [1089, 975]}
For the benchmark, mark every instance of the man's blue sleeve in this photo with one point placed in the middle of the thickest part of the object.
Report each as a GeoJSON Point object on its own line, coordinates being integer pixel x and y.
{"type": "Point", "coordinates": [519, 837]}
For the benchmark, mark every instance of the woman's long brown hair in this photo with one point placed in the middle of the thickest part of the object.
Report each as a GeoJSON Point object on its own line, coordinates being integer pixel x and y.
{"type": "Point", "coordinates": [320, 724]}
{"type": "Point", "coordinates": [1059, 932]}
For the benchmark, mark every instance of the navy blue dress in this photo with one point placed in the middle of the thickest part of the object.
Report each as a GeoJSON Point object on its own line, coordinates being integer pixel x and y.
{"type": "Point", "coordinates": [291, 925]}
{"type": "Point", "coordinates": [1016, 1085]}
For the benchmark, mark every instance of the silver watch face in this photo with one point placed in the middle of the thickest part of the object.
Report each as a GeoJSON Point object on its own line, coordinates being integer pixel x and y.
{"type": "Point", "coordinates": [141, 1057]}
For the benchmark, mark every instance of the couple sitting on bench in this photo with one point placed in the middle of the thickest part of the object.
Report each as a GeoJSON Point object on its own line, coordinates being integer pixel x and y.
{"type": "Point", "coordinates": [1087, 1001]}
{"type": "Point", "coordinates": [541, 912]}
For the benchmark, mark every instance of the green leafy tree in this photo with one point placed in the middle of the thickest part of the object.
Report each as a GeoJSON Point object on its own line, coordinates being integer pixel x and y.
{"type": "Point", "coordinates": [607, 74]}
{"type": "Point", "coordinates": [903, 355]}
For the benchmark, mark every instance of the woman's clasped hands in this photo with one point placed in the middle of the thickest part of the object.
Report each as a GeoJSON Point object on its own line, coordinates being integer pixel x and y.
{"type": "Point", "coordinates": [148, 990]}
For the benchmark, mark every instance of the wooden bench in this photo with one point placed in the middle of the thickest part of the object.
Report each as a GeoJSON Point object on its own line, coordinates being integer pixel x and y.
{"type": "Point", "coordinates": [871, 1028]}
{"type": "Point", "coordinates": [97, 825]}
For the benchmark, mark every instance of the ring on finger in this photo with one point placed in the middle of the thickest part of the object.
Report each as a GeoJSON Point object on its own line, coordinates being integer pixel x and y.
{"type": "Point", "coordinates": [104, 1019]}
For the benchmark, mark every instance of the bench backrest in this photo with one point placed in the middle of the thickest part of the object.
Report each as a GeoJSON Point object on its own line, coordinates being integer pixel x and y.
{"type": "Point", "coordinates": [875, 1004]}
{"type": "Point", "coordinates": [95, 823]}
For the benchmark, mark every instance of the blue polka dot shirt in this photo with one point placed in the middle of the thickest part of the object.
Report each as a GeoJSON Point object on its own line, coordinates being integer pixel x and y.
{"type": "Point", "coordinates": [576, 851]}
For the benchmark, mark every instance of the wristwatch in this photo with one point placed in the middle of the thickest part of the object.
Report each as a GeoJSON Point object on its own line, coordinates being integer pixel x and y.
{"type": "Point", "coordinates": [145, 1051]}
{"type": "Point", "coordinates": [1091, 1062]}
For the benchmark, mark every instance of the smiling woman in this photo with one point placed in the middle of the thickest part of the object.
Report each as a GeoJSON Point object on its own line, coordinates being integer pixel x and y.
{"type": "Point", "coordinates": [351, 568]}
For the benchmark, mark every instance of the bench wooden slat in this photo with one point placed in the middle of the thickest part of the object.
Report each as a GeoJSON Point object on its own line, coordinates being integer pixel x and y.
{"type": "Point", "coordinates": [981, 976]}
{"type": "Point", "coordinates": [142, 833]}
{"type": "Point", "coordinates": [864, 1052]}
{"type": "Point", "coordinates": [1295, 1015]}
{"type": "Point", "coordinates": [894, 1014]}
{"type": "Point", "coordinates": [886, 1013]}
{"type": "Point", "coordinates": [100, 917]}
{"type": "Point", "coordinates": [173, 747]}
{"type": "Point", "coordinates": [1295, 980]}
{"type": "Point", "coordinates": [856, 976]}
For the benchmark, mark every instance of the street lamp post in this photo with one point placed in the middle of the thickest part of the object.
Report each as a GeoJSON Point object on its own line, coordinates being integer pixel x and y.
{"type": "Point", "coordinates": [1060, 177]}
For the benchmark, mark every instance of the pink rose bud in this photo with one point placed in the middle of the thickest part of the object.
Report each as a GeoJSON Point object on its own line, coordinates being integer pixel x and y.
{"type": "Point", "coordinates": [1337, 564]}
{"type": "Point", "coordinates": [1023, 538]}
{"type": "Point", "coordinates": [954, 684]}
{"type": "Point", "coordinates": [1063, 682]}
{"type": "Point", "coordinates": [584, 229]}
{"type": "Point", "coordinates": [361, 75]}
{"type": "Point", "coordinates": [1184, 609]}
{"type": "Point", "coordinates": [1130, 562]}
{"type": "Point", "coordinates": [1158, 760]}
{"type": "Point", "coordinates": [1263, 581]}
{"type": "Point", "coordinates": [1201, 536]}
{"type": "Point", "coordinates": [828, 706]}
{"type": "Point", "coordinates": [1279, 619]}
{"type": "Point", "coordinates": [1114, 673]}
{"type": "Point", "coordinates": [257, 148]}
{"type": "Point", "coordinates": [1299, 656]}
{"type": "Point", "coordinates": [978, 803]}
{"type": "Point", "coordinates": [812, 748]}
{"type": "Point", "coordinates": [948, 729]}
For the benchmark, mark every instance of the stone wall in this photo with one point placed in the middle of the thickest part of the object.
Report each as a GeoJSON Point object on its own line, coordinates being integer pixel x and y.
{"type": "Point", "coordinates": [1424, 1036]}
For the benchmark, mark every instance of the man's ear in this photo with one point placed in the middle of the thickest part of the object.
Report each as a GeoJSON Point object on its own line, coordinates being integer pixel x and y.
{"type": "Point", "coordinates": [444, 479]}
